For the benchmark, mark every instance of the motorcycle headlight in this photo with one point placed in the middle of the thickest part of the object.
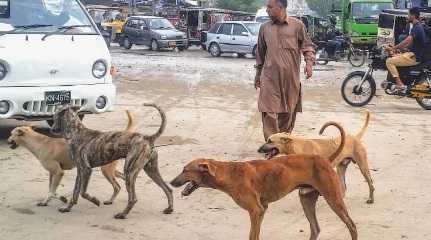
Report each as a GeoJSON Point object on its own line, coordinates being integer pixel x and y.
{"type": "Point", "coordinates": [99, 69]}
{"type": "Point", "coordinates": [3, 71]}
{"type": "Point", "coordinates": [163, 37]}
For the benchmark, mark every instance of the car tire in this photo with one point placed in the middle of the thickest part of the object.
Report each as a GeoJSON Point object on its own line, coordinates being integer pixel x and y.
{"type": "Point", "coordinates": [254, 52]}
{"type": "Point", "coordinates": [127, 43]}
{"type": "Point", "coordinates": [215, 50]}
{"type": "Point", "coordinates": [241, 55]}
{"type": "Point", "coordinates": [181, 49]}
{"type": "Point", "coordinates": [154, 45]}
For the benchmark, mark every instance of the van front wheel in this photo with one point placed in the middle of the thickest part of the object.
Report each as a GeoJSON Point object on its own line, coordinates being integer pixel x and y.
{"type": "Point", "coordinates": [127, 43]}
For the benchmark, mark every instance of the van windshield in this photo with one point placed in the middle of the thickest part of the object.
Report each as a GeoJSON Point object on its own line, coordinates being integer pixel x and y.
{"type": "Point", "coordinates": [369, 9]}
{"type": "Point", "coordinates": [50, 15]}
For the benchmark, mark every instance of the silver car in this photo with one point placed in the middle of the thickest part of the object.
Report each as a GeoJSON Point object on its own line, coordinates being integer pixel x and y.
{"type": "Point", "coordinates": [232, 37]}
{"type": "Point", "coordinates": [155, 32]}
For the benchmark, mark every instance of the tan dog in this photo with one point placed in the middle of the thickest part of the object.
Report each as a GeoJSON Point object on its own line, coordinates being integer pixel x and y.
{"type": "Point", "coordinates": [284, 143]}
{"type": "Point", "coordinates": [54, 156]}
{"type": "Point", "coordinates": [255, 184]}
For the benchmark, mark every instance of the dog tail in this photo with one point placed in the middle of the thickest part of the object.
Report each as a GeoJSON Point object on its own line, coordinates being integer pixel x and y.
{"type": "Point", "coordinates": [364, 128]}
{"type": "Point", "coordinates": [131, 125]}
{"type": "Point", "coordinates": [162, 116]}
{"type": "Point", "coordinates": [343, 138]}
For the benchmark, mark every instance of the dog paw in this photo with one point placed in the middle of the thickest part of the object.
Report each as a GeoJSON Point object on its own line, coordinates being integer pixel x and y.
{"type": "Point", "coordinates": [107, 202]}
{"type": "Point", "coordinates": [370, 201]}
{"type": "Point", "coordinates": [95, 201]}
{"type": "Point", "coordinates": [64, 209]}
{"type": "Point", "coordinates": [42, 204]}
{"type": "Point", "coordinates": [120, 216]}
{"type": "Point", "coordinates": [168, 210]}
{"type": "Point", "coordinates": [63, 199]}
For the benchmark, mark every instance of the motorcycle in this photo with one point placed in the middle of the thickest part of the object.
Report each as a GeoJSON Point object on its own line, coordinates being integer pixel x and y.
{"type": "Point", "coordinates": [359, 87]}
{"type": "Point", "coordinates": [355, 56]}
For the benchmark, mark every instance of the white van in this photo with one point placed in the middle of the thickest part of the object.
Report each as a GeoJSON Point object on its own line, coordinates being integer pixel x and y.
{"type": "Point", "coordinates": [51, 53]}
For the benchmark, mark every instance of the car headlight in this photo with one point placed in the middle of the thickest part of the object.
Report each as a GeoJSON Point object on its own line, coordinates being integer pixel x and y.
{"type": "Point", "coordinates": [99, 69]}
{"type": "Point", "coordinates": [163, 37]}
{"type": "Point", "coordinates": [3, 71]}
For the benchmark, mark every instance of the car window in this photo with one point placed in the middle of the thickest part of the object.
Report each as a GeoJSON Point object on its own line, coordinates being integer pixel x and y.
{"type": "Point", "coordinates": [214, 28]}
{"type": "Point", "coordinates": [133, 23]}
{"type": "Point", "coordinates": [225, 29]}
{"type": "Point", "coordinates": [238, 29]}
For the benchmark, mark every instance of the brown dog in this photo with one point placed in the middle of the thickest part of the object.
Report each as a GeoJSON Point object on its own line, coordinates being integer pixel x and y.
{"type": "Point", "coordinates": [354, 151]}
{"type": "Point", "coordinates": [53, 154]}
{"type": "Point", "coordinates": [255, 184]}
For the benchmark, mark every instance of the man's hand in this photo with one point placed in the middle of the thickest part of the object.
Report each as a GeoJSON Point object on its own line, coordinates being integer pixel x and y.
{"type": "Point", "coordinates": [308, 70]}
{"type": "Point", "coordinates": [257, 81]}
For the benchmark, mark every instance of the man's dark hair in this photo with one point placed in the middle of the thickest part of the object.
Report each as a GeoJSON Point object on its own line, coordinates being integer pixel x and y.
{"type": "Point", "coordinates": [415, 12]}
{"type": "Point", "coordinates": [282, 3]}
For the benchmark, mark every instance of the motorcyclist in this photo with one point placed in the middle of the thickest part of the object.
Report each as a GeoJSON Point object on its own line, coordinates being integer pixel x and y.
{"type": "Point", "coordinates": [416, 42]}
{"type": "Point", "coordinates": [333, 37]}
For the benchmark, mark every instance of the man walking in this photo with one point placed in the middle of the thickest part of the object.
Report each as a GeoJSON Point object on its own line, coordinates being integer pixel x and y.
{"type": "Point", "coordinates": [278, 59]}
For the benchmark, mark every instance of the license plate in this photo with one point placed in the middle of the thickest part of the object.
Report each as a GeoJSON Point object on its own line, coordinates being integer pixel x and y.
{"type": "Point", "coordinates": [172, 44]}
{"type": "Point", "coordinates": [57, 97]}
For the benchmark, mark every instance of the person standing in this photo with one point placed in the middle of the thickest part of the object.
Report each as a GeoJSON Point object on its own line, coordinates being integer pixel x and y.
{"type": "Point", "coordinates": [278, 58]}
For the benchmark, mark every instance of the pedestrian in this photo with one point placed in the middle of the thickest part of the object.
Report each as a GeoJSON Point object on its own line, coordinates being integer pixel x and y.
{"type": "Point", "coordinates": [278, 58]}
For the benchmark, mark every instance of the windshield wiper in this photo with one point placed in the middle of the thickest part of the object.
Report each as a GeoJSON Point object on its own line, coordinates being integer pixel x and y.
{"type": "Point", "coordinates": [25, 27]}
{"type": "Point", "coordinates": [63, 29]}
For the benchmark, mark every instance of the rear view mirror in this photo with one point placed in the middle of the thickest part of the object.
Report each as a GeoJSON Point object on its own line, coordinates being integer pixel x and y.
{"type": "Point", "coordinates": [4, 8]}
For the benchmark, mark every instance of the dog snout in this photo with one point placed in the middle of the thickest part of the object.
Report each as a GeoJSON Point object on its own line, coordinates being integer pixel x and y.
{"type": "Point", "coordinates": [12, 144]}
{"type": "Point", "coordinates": [265, 148]}
{"type": "Point", "coordinates": [178, 181]}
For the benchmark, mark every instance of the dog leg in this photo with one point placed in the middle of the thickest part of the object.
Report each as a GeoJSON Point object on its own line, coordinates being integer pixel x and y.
{"type": "Point", "coordinates": [109, 173]}
{"type": "Point", "coordinates": [308, 202]}
{"type": "Point", "coordinates": [329, 187]}
{"type": "Point", "coordinates": [341, 172]}
{"type": "Point", "coordinates": [152, 170]}
{"type": "Point", "coordinates": [256, 219]}
{"type": "Point", "coordinates": [362, 162]}
{"type": "Point", "coordinates": [55, 177]}
{"type": "Point", "coordinates": [76, 190]}
{"type": "Point", "coordinates": [86, 175]}
{"type": "Point", "coordinates": [130, 186]}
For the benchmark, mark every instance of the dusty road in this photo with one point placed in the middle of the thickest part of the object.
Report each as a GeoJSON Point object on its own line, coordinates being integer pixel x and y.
{"type": "Point", "coordinates": [211, 109]}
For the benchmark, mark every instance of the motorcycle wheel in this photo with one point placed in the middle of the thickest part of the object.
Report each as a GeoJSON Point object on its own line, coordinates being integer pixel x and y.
{"type": "Point", "coordinates": [321, 56]}
{"type": "Point", "coordinates": [425, 103]}
{"type": "Point", "coordinates": [357, 57]}
{"type": "Point", "coordinates": [358, 96]}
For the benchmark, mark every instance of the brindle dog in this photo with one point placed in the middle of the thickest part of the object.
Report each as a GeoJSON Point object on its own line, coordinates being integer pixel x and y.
{"type": "Point", "coordinates": [90, 149]}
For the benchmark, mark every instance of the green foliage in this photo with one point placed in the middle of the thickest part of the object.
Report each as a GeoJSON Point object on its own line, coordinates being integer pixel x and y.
{"type": "Point", "coordinates": [241, 5]}
{"type": "Point", "coordinates": [323, 9]}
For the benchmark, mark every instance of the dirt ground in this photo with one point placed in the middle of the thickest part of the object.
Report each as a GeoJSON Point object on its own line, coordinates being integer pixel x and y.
{"type": "Point", "coordinates": [212, 112]}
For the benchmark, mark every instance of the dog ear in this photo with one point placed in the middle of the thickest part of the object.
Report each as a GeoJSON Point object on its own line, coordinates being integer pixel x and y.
{"type": "Point", "coordinates": [285, 139]}
{"type": "Point", "coordinates": [209, 168]}
{"type": "Point", "coordinates": [20, 132]}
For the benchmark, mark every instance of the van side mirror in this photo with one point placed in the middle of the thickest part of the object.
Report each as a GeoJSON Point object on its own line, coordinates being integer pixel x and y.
{"type": "Point", "coordinates": [144, 28]}
{"type": "Point", "coordinates": [245, 34]}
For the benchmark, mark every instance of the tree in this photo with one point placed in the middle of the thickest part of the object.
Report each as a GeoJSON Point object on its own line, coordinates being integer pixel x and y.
{"type": "Point", "coordinates": [323, 9]}
{"type": "Point", "coordinates": [240, 5]}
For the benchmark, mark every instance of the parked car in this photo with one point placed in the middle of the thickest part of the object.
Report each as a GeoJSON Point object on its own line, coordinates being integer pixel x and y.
{"type": "Point", "coordinates": [232, 37]}
{"type": "Point", "coordinates": [155, 32]}
{"type": "Point", "coordinates": [51, 53]}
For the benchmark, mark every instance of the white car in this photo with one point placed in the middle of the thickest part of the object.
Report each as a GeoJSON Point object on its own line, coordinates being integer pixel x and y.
{"type": "Point", "coordinates": [51, 53]}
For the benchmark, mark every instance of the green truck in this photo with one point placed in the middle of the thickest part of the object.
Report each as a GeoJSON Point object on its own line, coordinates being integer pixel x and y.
{"type": "Point", "coordinates": [359, 19]}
